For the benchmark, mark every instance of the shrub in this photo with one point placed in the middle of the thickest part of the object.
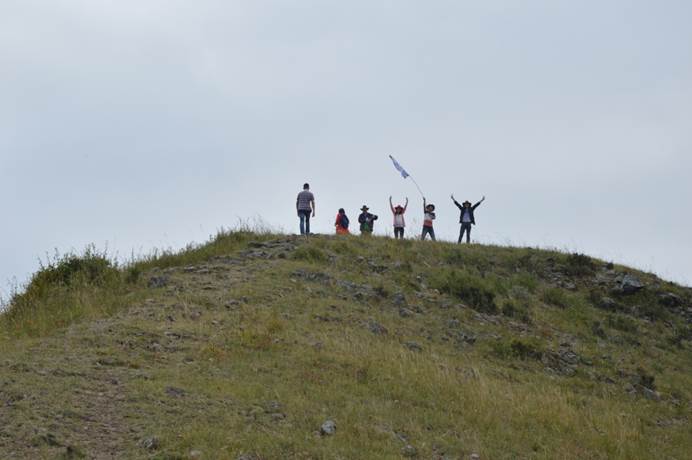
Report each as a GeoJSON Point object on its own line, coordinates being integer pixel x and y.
{"type": "Point", "coordinates": [70, 270]}
{"type": "Point", "coordinates": [473, 290]}
{"type": "Point", "coordinates": [579, 265]}
{"type": "Point", "coordinates": [556, 297]}
{"type": "Point", "coordinates": [309, 254]}
{"type": "Point", "coordinates": [622, 323]}
{"type": "Point", "coordinates": [519, 348]}
{"type": "Point", "coordinates": [517, 310]}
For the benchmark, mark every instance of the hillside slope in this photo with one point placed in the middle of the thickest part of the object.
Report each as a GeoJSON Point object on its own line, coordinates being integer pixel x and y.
{"type": "Point", "coordinates": [245, 347]}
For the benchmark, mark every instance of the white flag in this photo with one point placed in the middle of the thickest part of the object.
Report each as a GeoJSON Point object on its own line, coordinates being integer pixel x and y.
{"type": "Point", "coordinates": [399, 168]}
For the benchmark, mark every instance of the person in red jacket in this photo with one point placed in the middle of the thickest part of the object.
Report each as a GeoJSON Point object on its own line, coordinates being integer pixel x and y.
{"type": "Point", "coordinates": [341, 223]}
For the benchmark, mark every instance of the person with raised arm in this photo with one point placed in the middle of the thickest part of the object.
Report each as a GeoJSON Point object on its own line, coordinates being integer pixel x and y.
{"type": "Point", "coordinates": [399, 222]}
{"type": "Point", "coordinates": [467, 218]}
{"type": "Point", "coordinates": [428, 218]}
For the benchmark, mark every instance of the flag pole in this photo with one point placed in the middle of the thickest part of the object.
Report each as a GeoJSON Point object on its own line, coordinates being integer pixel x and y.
{"type": "Point", "coordinates": [405, 174]}
{"type": "Point", "coordinates": [416, 183]}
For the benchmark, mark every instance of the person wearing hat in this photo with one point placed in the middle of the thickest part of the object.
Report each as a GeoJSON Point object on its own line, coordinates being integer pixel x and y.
{"type": "Point", "coordinates": [367, 221]}
{"type": "Point", "coordinates": [399, 222]}
{"type": "Point", "coordinates": [466, 219]}
{"type": "Point", "coordinates": [428, 217]}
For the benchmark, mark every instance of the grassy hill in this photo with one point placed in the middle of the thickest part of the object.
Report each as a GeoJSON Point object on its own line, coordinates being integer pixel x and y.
{"type": "Point", "coordinates": [245, 347]}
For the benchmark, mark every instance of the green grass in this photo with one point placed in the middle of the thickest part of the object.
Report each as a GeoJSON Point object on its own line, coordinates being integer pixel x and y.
{"type": "Point", "coordinates": [238, 353]}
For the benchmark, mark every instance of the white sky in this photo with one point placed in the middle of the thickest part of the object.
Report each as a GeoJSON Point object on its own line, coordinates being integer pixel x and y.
{"type": "Point", "coordinates": [142, 124]}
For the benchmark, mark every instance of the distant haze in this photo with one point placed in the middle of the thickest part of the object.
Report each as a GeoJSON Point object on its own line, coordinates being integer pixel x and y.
{"type": "Point", "coordinates": [134, 125]}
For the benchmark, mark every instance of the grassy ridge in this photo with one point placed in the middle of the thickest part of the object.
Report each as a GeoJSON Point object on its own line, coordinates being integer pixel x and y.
{"type": "Point", "coordinates": [247, 344]}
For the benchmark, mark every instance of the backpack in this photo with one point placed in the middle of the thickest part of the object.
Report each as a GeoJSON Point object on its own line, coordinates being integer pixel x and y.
{"type": "Point", "coordinates": [344, 221]}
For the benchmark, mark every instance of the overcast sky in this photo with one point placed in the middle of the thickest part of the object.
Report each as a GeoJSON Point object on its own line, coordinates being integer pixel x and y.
{"type": "Point", "coordinates": [152, 123]}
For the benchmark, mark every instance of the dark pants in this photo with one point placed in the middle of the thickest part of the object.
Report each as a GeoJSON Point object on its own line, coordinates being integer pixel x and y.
{"type": "Point", "coordinates": [399, 232]}
{"type": "Point", "coordinates": [304, 221]}
{"type": "Point", "coordinates": [428, 231]}
{"type": "Point", "coordinates": [465, 227]}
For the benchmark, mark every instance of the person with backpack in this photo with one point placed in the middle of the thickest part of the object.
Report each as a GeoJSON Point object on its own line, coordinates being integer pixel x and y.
{"type": "Point", "coordinates": [367, 221]}
{"type": "Point", "coordinates": [428, 218]}
{"type": "Point", "coordinates": [342, 223]}
{"type": "Point", "coordinates": [399, 222]}
{"type": "Point", "coordinates": [466, 219]}
{"type": "Point", "coordinates": [305, 205]}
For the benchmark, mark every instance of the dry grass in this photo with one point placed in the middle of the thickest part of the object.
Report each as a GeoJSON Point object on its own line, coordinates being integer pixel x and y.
{"type": "Point", "coordinates": [250, 355]}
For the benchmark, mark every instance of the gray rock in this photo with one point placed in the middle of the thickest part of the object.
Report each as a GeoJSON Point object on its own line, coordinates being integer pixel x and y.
{"type": "Point", "coordinates": [195, 454]}
{"type": "Point", "coordinates": [413, 346]}
{"type": "Point", "coordinates": [399, 300]}
{"type": "Point", "coordinates": [151, 443]}
{"type": "Point", "coordinates": [569, 357]}
{"type": "Point", "coordinates": [405, 313]}
{"type": "Point", "coordinates": [650, 394]}
{"type": "Point", "coordinates": [376, 328]}
{"type": "Point", "coordinates": [175, 392]}
{"type": "Point", "coordinates": [607, 303]}
{"type": "Point", "coordinates": [454, 323]}
{"type": "Point", "coordinates": [462, 338]}
{"type": "Point", "coordinates": [409, 451]}
{"type": "Point", "coordinates": [670, 300]}
{"type": "Point", "coordinates": [328, 428]}
{"type": "Point", "coordinates": [475, 457]}
{"type": "Point", "coordinates": [158, 281]}
{"type": "Point", "coordinates": [248, 457]}
{"type": "Point", "coordinates": [629, 284]}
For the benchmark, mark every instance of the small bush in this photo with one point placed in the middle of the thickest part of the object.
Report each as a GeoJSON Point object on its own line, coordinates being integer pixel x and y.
{"type": "Point", "coordinates": [556, 297]}
{"type": "Point", "coordinates": [597, 329]}
{"type": "Point", "coordinates": [517, 310]}
{"type": "Point", "coordinates": [622, 323]}
{"type": "Point", "coordinates": [526, 281]}
{"type": "Point", "coordinates": [519, 348]}
{"type": "Point", "coordinates": [309, 254]}
{"type": "Point", "coordinates": [473, 290]}
{"type": "Point", "coordinates": [579, 265]}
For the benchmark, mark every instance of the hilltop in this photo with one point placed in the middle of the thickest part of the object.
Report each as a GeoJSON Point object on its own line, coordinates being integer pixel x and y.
{"type": "Point", "coordinates": [261, 346]}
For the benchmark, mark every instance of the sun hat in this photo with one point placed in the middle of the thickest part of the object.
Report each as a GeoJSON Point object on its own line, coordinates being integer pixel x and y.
{"type": "Point", "coordinates": [364, 208]}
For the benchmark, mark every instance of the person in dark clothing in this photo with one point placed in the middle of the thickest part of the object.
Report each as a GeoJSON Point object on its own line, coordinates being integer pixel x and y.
{"type": "Point", "coordinates": [466, 219]}
{"type": "Point", "coordinates": [367, 221]}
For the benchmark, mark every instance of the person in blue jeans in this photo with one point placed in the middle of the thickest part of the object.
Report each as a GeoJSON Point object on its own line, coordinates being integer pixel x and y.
{"type": "Point", "coordinates": [466, 219]}
{"type": "Point", "coordinates": [305, 205]}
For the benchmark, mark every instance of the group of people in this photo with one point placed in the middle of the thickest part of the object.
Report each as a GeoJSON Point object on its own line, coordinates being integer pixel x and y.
{"type": "Point", "coordinates": [305, 205]}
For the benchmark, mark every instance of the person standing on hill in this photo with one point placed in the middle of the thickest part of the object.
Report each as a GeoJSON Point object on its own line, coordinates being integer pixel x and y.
{"type": "Point", "coordinates": [466, 219]}
{"type": "Point", "coordinates": [367, 221]}
{"type": "Point", "coordinates": [341, 223]}
{"type": "Point", "coordinates": [399, 222]}
{"type": "Point", "coordinates": [305, 205]}
{"type": "Point", "coordinates": [428, 218]}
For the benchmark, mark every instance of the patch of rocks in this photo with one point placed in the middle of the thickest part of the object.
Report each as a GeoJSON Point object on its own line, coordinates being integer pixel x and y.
{"type": "Point", "coordinates": [562, 362]}
{"type": "Point", "coordinates": [318, 277]}
{"type": "Point", "coordinates": [628, 284]}
{"type": "Point", "coordinates": [413, 346]}
{"type": "Point", "coordinates": [150, 443]}
{"type": "Point", "coordinates": [275, 249]}
{"type": "Point", "coordinates": [376, 328]}
{"type": "Point", "coordinates": [360, 292]}
{"type": "Point", "coordinates": [175, 392]}
{"type": "Point", "coordinates": [156, 282]}
{"type": "Point", "coordinates": [328, 428]}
